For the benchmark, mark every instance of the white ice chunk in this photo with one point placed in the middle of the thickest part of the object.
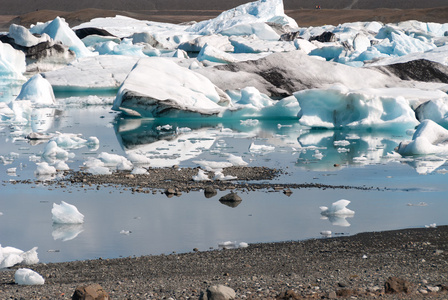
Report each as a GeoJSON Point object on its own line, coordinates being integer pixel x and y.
{"type": "Point", "coordinates": [59, 30]}
{"type": "Point", "coordinates": [249, 13]}
{"type": "Point", "coordinates": [220, 176]}
{"type": "Point", "coordinates": [201, 176]}
{"type": "Point", "coordinates": [23, 36]}
{"type": "Point", "coordinates": [139, 171]}
{"type": "Point", "coordinates": [12, 63]}
{"type": "Point", "coordinates": [260, 148]}
{"type": "Point", "coordinates": [52, 150]}
{"type": "Point", "coordinates": [337, 208]}
{"type": "Point", "coordinates": [38, 90]}
{"type": "Point", "coordinates": [429, 138]}
{"type": "Point", "coordinates": [236, 160]}
{"type": "Point", "coordinates": [28, 277]}
{"type": "Point", "coordinates": [44, 168]}
{"type": "Point", "coordinates": [158, 86]}
{"type": "Point", "coordinates": [66, 213]}
{"type": "Point", "coordinates": [340, 107]}
{"type": "Point", "coordinates": [213, 54]}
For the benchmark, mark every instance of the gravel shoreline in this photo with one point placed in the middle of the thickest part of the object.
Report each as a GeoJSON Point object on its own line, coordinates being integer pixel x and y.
{"type": "Point", "coordinates": [338, 267]}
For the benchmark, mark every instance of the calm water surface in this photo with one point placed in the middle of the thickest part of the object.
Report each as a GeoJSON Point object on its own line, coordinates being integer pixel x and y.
{"type": "Point", "coordinates": [158, 224]}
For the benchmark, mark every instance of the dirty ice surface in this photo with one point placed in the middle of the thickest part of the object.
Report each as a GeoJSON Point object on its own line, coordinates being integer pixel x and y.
{"type": "Point", "coordinates": [361, 104]}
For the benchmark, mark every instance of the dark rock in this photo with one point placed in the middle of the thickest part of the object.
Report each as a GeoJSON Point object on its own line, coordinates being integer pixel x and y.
{"type": "Point", "coordinates": [419, 69]}
{"type": "Point", "coordinates": [210, 192]}
{"type": "Point", "coordinates": [344, 293]}
{"type": "Point", "coordinates": [218, 292]}
{"type": "Point", "coordinates": [170, 191]}
{"type": "Point", "coordinates": [83, 32]}
{"type": "Point", "coordinates": [397, 285]}
{"type": "Point", "coordinates": [90, 292]}
{"type": "Point", "coordinates": [325, 37]}
{"type": "Point", "coordinates": [231, 200]}
{"type": "Point", "coordinates": [290, 36]}
{"type": "Point", "coordinates": [287, 192]}
{"type": "Point", "coordinates": [289, 294]}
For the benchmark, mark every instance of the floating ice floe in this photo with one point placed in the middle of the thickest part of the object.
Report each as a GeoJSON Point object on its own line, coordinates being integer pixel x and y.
{"type": "Point", "coordinates": [28, 277]}
{"type": "Point", "coordinates": [38, 90]}
{"type": "Point", "coordinates": [260, 148]}
{"type": "Point", "coordinates": [337, 213]}
{"type": "Point", "coordinates": [337, 208]}
{"type": "Point", "coordinates": [66, 213]}
{"type": "Point", "coordinates": [429, 138]}
{"type": "Point", "coordinates": [340, 107]}
{"type": "Point", "coordinates": [10, 256]}
{"type": "Point", "coordinates": [158, 87]}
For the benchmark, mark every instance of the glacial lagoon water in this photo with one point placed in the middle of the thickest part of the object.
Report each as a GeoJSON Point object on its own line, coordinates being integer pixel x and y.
{"type": "Point", "coordinates": [412, 191]}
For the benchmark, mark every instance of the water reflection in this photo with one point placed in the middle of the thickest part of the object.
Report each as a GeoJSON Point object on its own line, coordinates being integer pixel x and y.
{"type": "Point", "coordinates": [66, 232]}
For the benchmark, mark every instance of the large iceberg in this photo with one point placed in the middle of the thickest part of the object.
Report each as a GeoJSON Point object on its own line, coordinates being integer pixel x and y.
{"type": "Point", "coordinates": [159, 87]}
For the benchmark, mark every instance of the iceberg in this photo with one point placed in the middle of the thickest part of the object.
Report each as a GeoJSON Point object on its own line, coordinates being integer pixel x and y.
{"type": "Point", "coordinates": [338, 208]}
{"type": "Point", "coordinates": [12, 63]}
{"type": "Point", "coordinates": [338, 107]}
{"type": "Point", "coordinates": [23, 36]}
{"type": "Point", "coordinates": [66, 213]}
{"type": "Point", "coordinates": [248, 15]}
{"type": "Point", "coordinates": [38, 90]}
{"type": "Point", "coordinates": [429, 138]}
{"type": "Point", "coordinates": [159, 87]}
{"type": "Point", "coordinates": [59, 30]}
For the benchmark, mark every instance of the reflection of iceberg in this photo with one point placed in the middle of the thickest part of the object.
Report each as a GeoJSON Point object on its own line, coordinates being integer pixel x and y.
{"type": "Point", "coordinates": [66, 232]}
{"type": "Point", "coordinates": [365, 147]}
{"type": "Point", "coordinates": [163, 148]}
{"type": "Point", "coordinates": [426, 165]}
{"type": "Point", "coordinates": [338, 220]}
{"type": "Point", "coordinates": [337, 213]}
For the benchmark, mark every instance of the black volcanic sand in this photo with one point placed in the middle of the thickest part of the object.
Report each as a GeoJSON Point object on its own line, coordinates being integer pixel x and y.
{"type": "Point", "coordinates": [353, 267]}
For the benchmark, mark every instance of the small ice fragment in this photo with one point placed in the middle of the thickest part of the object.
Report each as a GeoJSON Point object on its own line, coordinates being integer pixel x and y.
{"type": "Point", "coordinates": [66, 214]}
{"type": "Point", "coordinates": [164, 127]}
{"type": "Point", "coordinates": [326, 233]}
{"type": "Point", "coordinates": [243, 245]}
{"type": "Point", "coordinates": [364, 256]}
{"type": "Point", "coordinates": [201, 176]}
{"type": "Point", "coordinates": [28, 277]}
{"type": "Point", "coordinates": [337, 208]}
{"type": "Point", "coordinates": [11, 170]}
{"type": "Point", "coordinates": [433, 225]}
{"type": "Point", "coordinates": [341, 143]}
{"type": "Point", "coordinates": [126, 232]}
